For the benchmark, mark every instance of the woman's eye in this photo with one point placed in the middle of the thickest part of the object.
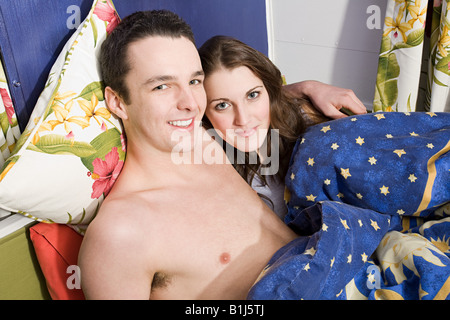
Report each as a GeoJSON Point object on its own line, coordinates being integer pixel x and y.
{"type": "Point", "coordinates": [161, 87]}
{"type": "Point", "coordinates": [253, 95]}
{"type": "Point", "coordinates": [222, 106]}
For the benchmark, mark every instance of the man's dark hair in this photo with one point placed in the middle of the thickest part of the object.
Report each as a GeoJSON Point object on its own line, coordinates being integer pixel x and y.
{"type": "Point", "coordinates": [114, 63]}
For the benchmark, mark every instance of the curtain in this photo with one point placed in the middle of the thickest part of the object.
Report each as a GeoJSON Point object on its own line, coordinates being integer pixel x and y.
{"type": "Point", "coordinates": [414, 61]}
{"type": "Point", "coordinates": [10, 132]}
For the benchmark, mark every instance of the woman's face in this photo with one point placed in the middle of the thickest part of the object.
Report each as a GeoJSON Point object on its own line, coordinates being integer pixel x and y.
{"type": "Point", "coordinates": [238, 107]}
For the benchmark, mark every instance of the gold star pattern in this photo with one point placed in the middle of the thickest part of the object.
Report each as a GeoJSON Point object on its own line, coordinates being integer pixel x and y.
{"type": "Point", "coordinates": [431, 114]}
{"type": "Point", "coordinates": [306, 268]}
{"type": "Point", "coordinates": [349, 258]}
{"type": "Point", "coordinates": [360, 140]}
{"type": "Point", "coordinates": [292, 176]}
{"type": "Point", "coordinates": [379, 116]}
{"type": "Point", "coordinates": [324, 227]}
{"type": "Point", "coordinates": [360, 223]}
{"type": "Point", "coordinates": [359, 196]}
{"type": "Point", "coordinates": [354, 119]}
{"type": "Point", "coordinates": [311, 162]}
{"type": "Point", "coordinates": [345, 173]}
{"type": "Point", "coordinates": [311, 251]}
{"type": "Point", "coordinates": [400, 152]}
{"type": "Point", "coordinates": [325, 129]}
{"type": "Point", "coordinates": [400, 212]}
{"type": "Point", "coordinates": [389, 136]}
{"type": "Point", "coordinates": [332, 262]}
{"type": "Point", "coordinates": [413, 134]}
{"type": "Point", "coordinates": [340, 195]}
{"type": "Point", "coordinates": [364, 257]}
{"type": "Point", "coordinates": [372, 161]}
{"type": "Point", "coordinates": [384, 190]}
{"type": "Point", "coordinates": [374, 224]}
{"type": "Point", "coordinates": [344, 223]}
{"type": "Point", "coordinates": [412, 178]}
{"type": "Point", "coordinates": [334, 146]}
{"type": "Point", "coordinates": [430, 146]}
{"type": "Point", "coordinates": [311, 198]}
{"type": "Point", "coordinates": [327, 182]}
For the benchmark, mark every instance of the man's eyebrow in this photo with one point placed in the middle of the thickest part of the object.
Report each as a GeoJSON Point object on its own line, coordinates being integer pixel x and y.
{"type": "Point", "coordinates": [163, 78]}
{"type": "Point", "coordinates": [155, 79]}
{"type": "Point", "coordinates": [198, 73]}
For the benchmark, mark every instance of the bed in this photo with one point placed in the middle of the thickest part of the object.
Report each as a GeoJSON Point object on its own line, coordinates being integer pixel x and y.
{"type": "Point", "coordinates": [67, 150]}
{"type": "Point", "coordinates": [40, 44]}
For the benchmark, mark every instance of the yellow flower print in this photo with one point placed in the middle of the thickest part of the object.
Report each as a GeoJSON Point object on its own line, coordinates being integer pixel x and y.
{"type": "Point", "coordinates": [444, 42]}
{"type": "Point", "coordinates": [59, 97]}
{"type": "Point", "coordinates": [6, 170]}
{"type": "Point", "coordinates": [416, 13]}
{"type": "Point", "coordinates": [62, 117]}
{"type": "Point", "coordinates": [397, 26]}
{"type": "Point", "coordinates": [89, 108]}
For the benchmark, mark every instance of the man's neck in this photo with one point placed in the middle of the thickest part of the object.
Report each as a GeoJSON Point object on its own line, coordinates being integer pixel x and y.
{"type": "Point", "coordinates": [156, 167]}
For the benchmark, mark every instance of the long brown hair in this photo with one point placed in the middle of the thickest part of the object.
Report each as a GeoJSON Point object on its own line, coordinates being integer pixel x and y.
{"type": "Point", "coordinates": [285, 111]}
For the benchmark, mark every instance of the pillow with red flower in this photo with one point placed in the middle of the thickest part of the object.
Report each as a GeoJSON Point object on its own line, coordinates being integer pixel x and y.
{"type": "Point", "coordinates": [72, 150]}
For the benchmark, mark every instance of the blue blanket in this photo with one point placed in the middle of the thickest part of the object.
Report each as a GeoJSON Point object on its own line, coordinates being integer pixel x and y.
{"type": "Point", "coordinates": [370, 198]}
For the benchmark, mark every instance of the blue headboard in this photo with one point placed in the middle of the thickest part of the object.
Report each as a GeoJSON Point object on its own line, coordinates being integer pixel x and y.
{"type": "Point", "coordinates": [33, 32]}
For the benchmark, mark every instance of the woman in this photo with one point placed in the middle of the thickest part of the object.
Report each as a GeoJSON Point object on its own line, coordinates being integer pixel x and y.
{"type": "Point", "coordinates": [246, 102]}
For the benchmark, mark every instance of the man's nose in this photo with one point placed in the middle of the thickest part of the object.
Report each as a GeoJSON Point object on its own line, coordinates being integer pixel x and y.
{"type": "Point", "coordinates": [186, 99]}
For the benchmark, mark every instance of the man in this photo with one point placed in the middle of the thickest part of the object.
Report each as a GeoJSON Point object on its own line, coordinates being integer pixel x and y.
{"type": "Point", "coordinates": [171, 230]}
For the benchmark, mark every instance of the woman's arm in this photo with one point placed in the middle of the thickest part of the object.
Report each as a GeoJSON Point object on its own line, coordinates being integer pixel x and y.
{"type": "Point", "coordinates": [327, 99]}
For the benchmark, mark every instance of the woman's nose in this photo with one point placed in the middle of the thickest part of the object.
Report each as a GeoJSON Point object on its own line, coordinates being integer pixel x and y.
{"type": "Point", "coordinates": [241, 116]}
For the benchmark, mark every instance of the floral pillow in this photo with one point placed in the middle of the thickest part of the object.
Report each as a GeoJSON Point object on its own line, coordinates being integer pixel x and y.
{"type": "Point", "coordinates": [72, 149]}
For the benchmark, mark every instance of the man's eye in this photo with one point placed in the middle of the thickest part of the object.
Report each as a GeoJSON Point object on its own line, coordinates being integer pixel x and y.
{"type": "Point", "coordinates": [195, 81]}
{"type": "Point", "coordinates": [161, 87]}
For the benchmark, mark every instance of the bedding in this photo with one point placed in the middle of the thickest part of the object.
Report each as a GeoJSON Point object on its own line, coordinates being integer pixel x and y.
{"type": "Point", "coordinates": [370, 196]}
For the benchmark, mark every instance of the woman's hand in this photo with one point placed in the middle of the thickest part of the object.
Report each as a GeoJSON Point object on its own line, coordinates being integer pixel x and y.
{"type": "Point", "coordinates": [327, 99]}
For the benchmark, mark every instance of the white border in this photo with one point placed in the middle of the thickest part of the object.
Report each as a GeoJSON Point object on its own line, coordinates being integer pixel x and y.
{"type": "Point", "coordinates": [270, 32]}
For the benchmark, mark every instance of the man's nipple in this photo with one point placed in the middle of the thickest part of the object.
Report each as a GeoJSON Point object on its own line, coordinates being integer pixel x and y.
{"type": "Point", "coordinates": [224, 258]}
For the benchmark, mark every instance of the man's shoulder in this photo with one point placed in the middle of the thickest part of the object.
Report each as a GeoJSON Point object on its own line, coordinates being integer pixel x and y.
{"type": "Point", "coordinates": [121, 218]}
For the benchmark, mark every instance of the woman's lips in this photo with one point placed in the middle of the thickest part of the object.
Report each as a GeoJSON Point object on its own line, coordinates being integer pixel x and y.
{"type": "Point", "coordinates": [245, 133]}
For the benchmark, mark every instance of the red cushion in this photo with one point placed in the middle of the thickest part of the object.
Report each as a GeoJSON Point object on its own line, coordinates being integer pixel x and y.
{"type": "Point", "coordinates": [57, 247]}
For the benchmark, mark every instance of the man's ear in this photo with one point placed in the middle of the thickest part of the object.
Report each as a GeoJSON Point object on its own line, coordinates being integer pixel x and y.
{"type": "Point", "coordinates": [115, 103]}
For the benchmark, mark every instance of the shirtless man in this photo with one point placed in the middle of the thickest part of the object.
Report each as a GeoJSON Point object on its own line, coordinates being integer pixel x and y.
{"type": "Point", "coordinates": [169, 230]}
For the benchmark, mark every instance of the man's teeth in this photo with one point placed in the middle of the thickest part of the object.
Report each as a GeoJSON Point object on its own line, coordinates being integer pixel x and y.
{"type": "Point", "coordinates": [181, 123]}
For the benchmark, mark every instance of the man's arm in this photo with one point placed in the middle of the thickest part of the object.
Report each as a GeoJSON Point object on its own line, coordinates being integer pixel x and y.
{"type": "Point", "coordinates": [327, 99]}
{"type": "Point", "coordinates": [112, 263]}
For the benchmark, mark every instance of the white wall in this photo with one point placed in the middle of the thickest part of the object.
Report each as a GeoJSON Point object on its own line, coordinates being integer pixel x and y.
{"type": "Point", "coordinates": [333, 41]}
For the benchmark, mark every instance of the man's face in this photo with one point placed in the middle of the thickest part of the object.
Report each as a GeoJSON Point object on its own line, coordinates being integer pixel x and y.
{"type": "Point", "coordinates": [167, 98]}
